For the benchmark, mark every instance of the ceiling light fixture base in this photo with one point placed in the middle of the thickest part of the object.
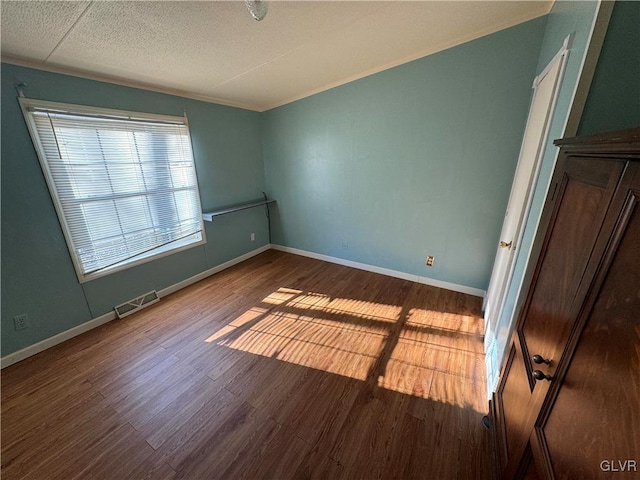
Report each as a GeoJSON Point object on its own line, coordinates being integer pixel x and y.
{"type": "Point", "coordinates": [257, 8]}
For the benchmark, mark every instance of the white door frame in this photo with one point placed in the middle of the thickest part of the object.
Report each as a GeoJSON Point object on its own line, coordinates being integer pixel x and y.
{"type": "Point", "coordinates": [503, 268]}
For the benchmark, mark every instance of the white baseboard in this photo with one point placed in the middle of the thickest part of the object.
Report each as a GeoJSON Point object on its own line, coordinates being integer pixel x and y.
{"type": "Point", "coordinates": [31, 350]}
{"type": "Point", "coordinates": [101, 320]}
{"type": "Point", "coordinates": [207, 273]}
{"type": "Point", "coordinates": [476, 292]}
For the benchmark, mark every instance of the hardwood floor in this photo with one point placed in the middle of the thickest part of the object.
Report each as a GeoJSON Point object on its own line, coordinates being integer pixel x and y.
{"type": "Point", "coordinates": [281, 367]}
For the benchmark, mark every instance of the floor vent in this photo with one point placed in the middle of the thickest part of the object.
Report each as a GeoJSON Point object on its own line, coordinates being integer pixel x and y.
{"type": "Point", "coordinates": [136, 304]}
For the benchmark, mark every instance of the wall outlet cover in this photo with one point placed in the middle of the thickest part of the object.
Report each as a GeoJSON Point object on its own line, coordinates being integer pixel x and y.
{"type": "Point", "coordinates": [21, 322]}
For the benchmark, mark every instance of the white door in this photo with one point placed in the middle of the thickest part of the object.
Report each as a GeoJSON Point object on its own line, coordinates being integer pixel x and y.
{"type": "Point", "coordinates": [545, 87]}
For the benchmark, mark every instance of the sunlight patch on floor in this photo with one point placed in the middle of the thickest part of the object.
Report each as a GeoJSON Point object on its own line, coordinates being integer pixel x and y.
{"type": "Point", "coordinates": [416, 351]}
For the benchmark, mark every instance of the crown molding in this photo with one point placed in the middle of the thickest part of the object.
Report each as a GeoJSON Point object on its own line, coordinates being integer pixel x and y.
{"type": "Point", "coordinates": [23, 62]}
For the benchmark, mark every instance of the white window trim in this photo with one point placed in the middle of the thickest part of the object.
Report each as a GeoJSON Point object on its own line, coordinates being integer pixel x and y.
{"type": "Point", "coordinates": [155, 254]}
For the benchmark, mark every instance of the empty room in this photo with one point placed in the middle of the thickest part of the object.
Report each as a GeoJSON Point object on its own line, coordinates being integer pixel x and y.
{"type": "Point", "coordinates": [320, 240]}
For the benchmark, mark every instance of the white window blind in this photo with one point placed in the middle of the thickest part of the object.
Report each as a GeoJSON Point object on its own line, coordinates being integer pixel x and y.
{"type": "Point", "coordinates": [124, 184]}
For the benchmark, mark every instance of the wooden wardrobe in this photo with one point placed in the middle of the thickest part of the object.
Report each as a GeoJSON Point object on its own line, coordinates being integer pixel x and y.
{"type": "Point", "coordinates": [568, 400]}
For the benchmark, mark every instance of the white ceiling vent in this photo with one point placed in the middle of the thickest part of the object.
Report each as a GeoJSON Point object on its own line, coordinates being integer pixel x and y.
{"type": "Point", "coordinates": [136, 304]}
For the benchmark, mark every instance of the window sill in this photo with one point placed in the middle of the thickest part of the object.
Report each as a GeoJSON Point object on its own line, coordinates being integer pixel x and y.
{"type": "Point", "coordinates": [155, 254]}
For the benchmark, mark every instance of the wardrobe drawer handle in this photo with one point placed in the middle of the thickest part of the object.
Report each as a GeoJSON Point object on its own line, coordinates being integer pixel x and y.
{"type": "Point", "coordinates": [540, 359]}
{"type": "Point", "coordinates": [538, 375]}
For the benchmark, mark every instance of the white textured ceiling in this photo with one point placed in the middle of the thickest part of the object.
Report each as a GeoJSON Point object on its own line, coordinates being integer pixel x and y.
{"type": "Point", "coordinates": [215, 51]}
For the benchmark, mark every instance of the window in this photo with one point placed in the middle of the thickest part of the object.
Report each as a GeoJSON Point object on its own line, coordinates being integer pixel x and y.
{"type": "Point", "coordinates": [124, 184]}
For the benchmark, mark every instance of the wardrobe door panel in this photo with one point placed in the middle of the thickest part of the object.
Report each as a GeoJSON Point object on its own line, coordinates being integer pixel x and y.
{"type": "Point", "coordinates": [584, 188]}
{"type": "Point", "coordinates": [568, 400]}
{"type": "Point", "coordinates": [513, 397]}
{"type": "Point", "coordinates": [592, 429]}
{"type": "Point", "coordinates": [584, 194]}
{"type": "Point", "coordinates": [531, 473]}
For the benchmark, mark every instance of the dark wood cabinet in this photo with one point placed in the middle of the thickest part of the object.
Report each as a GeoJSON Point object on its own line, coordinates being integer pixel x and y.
{"type": "Point", "coordinates": [568, 401]}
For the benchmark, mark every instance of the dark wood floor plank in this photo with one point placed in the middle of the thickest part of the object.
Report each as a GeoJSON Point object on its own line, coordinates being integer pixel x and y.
{"type": "Point", "coordinates": [51, 399]}
{"type": "Point", "coordinates": [141, 406]}
{"type": "Point", "coordinates": [246, 447]}
{"type": "Point", "coordinates": [282, 367]}
{"type": "Point", "coordinates": [159, 427]}
{"type": "Point", "coordinates": [84, 437]}
{"type": "Point", "coordinates": [194, 434]}
{"type": "Point", "coordinates": [331, 407]}
{"type": "Point", "coordinates": [152, 469]}
{"type": "Point", "coordinates": [279, 457]}
{"type": "Point", "coordinates": [18, 452]}
{"type": "Point", "coordinates": [34, 373]}
{"type": "Point", "coordinates": [222, 444]}
{"type": "Point", "coordinates": [116, 457]}
{"type": "Point", "coordinates": [110, 378]}
{"type": "Point", "coordinates": [138, 380]}
{"type": "Point", "coordinates": [317, 465]}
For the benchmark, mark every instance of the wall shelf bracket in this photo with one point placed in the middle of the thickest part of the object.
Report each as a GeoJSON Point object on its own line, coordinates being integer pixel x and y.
{"type": "Point", "coordinates": [209, 216]}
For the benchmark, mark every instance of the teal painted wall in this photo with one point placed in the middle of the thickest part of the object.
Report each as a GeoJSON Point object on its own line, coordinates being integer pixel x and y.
{"type": "Point", "coordinates": [614, 97]}
{"type": "Point", "coordinates": [569, 17]}
{"type": "Point", "coordinates": [412, 161]}
{"type": "Point", "coordinates": [37, 274]}
{"type": "Point", "coordinates": [415, 160]}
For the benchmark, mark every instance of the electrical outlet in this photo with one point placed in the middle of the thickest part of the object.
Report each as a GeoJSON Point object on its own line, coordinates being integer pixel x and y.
{"type": "Point", "coordinates": [253, 237]}
{"type": "Point", "coordinates": [345, 245]}
{"type": "Point", "coordinates": [430, 260]}
{"type": "Point", "coordinates": [20, 322]}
